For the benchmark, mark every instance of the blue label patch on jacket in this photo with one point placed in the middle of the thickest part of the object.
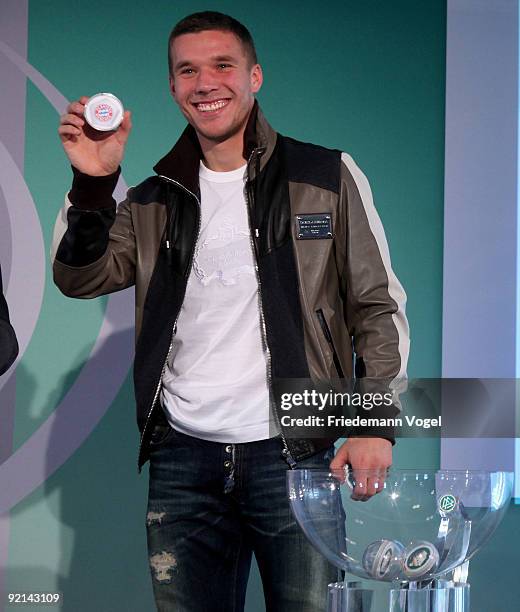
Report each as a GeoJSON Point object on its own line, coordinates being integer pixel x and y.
{"type": "Point", "coordinates": [314, 226]}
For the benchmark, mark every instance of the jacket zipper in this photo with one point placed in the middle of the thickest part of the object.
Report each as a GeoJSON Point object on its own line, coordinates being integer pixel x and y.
{"type": "Point", "coordinates": [328, 336]}
{"type": "Point", "coordinates": [174, 328]}
{"type": "Point", "coordinates": [249, 200]}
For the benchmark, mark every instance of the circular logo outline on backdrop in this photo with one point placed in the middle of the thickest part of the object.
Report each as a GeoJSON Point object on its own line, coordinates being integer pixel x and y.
{"type": "Point", "coordinates": [35, 461]}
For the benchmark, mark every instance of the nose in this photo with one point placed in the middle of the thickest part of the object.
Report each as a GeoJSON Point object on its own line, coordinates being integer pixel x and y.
{"type": "Point", "coordinates": [206, 82]}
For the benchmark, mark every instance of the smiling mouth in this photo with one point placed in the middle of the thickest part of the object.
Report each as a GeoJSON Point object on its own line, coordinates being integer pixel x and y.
{"type": "Point", "coordinates": [208, 107]}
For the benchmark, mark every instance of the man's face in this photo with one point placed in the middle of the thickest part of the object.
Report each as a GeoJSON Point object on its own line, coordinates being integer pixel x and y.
{"type": "Point", "coordinates": [213, 83]}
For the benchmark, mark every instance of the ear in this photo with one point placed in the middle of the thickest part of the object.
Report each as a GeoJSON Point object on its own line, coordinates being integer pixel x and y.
{"type": "Point", "coordinates": [257, 78]}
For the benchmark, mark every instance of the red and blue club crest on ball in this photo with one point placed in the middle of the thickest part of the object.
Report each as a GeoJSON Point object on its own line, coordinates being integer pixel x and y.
{"type": "Point", "coordinates": [103, 112]}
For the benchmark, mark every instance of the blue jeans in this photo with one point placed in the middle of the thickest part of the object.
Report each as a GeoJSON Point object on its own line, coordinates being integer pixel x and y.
{"type": "Point", "coordinates": [210, 507]}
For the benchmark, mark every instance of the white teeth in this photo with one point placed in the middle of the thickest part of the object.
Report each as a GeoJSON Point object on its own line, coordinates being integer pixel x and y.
{"type": "Point", "coordinates": [211, 107]}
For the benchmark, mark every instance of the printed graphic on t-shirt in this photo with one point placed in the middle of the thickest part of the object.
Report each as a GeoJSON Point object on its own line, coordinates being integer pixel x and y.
{"type": "Point", "coordinates": [223, 256]}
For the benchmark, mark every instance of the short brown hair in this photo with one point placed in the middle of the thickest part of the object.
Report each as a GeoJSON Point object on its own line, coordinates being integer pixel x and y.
{"type": "Point", "coordinates": [213, 20]}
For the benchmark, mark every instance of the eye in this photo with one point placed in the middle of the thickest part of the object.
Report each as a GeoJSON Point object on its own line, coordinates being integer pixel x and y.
{"type": "Point", "coordinates": [223, 66]}
{"type": "Point", "coordinates": [187, 71]}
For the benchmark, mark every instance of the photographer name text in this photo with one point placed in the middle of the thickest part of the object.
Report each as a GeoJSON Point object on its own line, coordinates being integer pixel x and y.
{"type": "Point", "coordinates": [341, 421]}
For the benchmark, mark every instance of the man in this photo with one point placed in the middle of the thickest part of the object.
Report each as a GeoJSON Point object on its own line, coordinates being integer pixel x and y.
{"type": "Point", "coordinates": [8, 342]}
{"type": "Point", "coordinates": [231, 296]}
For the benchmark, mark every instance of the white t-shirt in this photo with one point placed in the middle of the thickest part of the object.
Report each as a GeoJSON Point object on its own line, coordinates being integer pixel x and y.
{"type": "Point", "coordinates": [215, 386]}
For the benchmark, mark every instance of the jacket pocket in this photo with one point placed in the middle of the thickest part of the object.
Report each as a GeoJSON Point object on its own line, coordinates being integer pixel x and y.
{"type": "Point", "coordinates": [328, 336]}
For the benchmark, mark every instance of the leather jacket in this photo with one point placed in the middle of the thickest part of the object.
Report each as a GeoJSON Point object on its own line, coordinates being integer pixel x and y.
{"type": "Point", "coordinates": [8, 342]}
{"type": "Point", "coordinates": [326, 288]}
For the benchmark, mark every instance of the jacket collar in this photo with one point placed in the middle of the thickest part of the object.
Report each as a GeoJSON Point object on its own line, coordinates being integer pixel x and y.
{"type": "Point", "coordinates": [182, 163]}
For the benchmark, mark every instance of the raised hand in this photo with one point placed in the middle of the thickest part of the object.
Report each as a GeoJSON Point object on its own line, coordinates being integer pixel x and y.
{"type": "Point", "coordinates": [90, 151]}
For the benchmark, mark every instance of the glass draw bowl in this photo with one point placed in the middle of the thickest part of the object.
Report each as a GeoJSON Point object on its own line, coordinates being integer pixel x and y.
{"type": "Point", "coordinates": [418, 526]}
